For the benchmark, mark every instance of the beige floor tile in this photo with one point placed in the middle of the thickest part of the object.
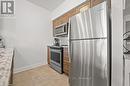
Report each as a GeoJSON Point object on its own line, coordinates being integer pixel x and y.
{"type": "Point", "coordinates": [41, 76]}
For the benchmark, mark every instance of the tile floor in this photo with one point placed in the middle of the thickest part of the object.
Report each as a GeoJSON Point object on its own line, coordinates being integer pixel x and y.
{"type": "Point", "coordinates": [41, 76]}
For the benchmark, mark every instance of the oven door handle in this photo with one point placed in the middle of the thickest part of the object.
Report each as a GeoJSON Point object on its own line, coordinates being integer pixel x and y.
{"type": "Point", "coordinates": [57, 51]}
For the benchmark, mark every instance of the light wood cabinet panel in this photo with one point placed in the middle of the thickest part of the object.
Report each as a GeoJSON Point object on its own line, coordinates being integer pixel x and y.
{"type": "Point", "coordinates": [66, 63]}
{"type": "Point", "coordinates": [65, 17]}
{"type": "Point", "coordinates": [86, 5]}
{"type": "Point", "coordinates": [48, 55]}
{"type": "Point", "coordinates": [95, 2]}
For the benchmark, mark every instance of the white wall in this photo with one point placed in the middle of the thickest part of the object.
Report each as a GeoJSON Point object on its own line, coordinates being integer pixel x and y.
{"type": "Point", "coordinates": [29, 32]}
{"type": "Point", "coordinates": [117, 42]}
{"type": "Point", "coordinates": [65, 6]}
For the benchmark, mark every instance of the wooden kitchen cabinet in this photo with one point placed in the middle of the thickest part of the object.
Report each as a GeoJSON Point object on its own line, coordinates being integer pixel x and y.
{"type": "Point", "coordinates": [65, 17]}
{"type": "Point", "coordinates": [95, 2]}
{"type": "Point", "coordinates": [66, 63]}
{"type": "Point", "coordinates": [86, 5]}
{"type": "Point", "coordinates": [48, 55]}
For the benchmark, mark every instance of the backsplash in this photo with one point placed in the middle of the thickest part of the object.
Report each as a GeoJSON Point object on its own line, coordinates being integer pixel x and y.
{"type": "Point", "coordinates": [63, 40]}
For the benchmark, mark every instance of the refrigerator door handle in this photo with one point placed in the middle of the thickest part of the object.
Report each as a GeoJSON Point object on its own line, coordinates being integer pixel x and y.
{"type": "Point", "coordinates": [69, 50]}
{"type": "Point", "coordinates": [69, 41]}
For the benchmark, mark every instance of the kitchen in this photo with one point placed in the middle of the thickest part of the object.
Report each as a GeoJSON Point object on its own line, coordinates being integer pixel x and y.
{"type": "Point", "coordinates": [31, 33]}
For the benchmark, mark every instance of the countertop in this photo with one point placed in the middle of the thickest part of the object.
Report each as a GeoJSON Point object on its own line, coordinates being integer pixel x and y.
{"type": "Point", "coordinates": [66, 46]}
{"type": "Point", "coordinates": [6, 57]}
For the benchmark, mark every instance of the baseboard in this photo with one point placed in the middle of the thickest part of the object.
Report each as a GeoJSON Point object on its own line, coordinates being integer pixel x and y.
{"type": "Point", "coordinates": [28, 67]}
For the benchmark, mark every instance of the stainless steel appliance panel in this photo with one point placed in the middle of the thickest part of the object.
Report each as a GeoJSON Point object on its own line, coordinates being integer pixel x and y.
{"type": "Point", "coordinates": [91, 23]}
{"type": "Point", "coordinates": [100, 70]}
{"type": "Point", "coordinates": [89, 48]}
{"type": "Point", "coordinates": [61, 30]}
{"type": "Point", "coordinates": [89, 66]}
{"type": "Point", "coordinates": [99, 20]}
{"type": "Point", "coordinates": [81, 65]}
{"type": "Point", "coordinates": [81, 26]}
{"type": "Point", "coordinates": [56, 62]}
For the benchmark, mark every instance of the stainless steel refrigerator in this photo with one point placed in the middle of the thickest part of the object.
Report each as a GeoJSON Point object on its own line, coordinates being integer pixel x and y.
{"type": "Point", "coordinates": [89, 44]}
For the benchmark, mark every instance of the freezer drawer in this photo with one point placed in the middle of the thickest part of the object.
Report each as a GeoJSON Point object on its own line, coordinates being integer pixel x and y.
{"type": "Point", "coordinates": [89, 63]}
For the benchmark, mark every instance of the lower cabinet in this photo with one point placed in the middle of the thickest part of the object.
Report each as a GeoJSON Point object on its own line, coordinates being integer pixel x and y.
{"type": "Point", "coordinates": [66, 63]}
{"type": "Point", "coordinates": [48, 55]}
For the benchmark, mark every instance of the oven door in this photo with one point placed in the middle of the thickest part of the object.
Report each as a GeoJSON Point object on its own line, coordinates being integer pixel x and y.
{"type": "Point", "coordinates": [56, 57]}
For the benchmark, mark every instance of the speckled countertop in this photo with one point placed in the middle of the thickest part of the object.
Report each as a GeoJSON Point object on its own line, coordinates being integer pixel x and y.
{"type": "Point", "coordinates": [6, 56]}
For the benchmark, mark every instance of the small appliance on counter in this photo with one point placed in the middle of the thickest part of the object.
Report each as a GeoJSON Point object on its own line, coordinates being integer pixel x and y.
{"type": "Point", "coordinates": [56, 42]}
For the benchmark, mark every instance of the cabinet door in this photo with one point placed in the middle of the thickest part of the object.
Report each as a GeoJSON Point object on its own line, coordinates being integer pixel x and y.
{"type": "Point", "coordinates": [48, 55]}
{"type": "Point", "coordinates": [127, 72]}
{"type": "Point", "coordinates": [66, 63]}
{"type": "Point", "coordinates": [65, 17]}
{"type": "Point", "coordinates": [95, 2]}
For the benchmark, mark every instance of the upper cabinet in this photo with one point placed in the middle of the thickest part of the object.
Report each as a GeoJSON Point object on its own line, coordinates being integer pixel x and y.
{"type": "Point", "coordinates": [95, 2]}
{"type": "Point", "coordinates": [86, 5]}
{"type": "Point", "coordinates": [65, 18]}
{"type": "Point", "coordinates": [61, 20]}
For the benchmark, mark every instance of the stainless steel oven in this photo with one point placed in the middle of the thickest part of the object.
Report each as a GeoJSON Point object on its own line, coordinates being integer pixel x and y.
{"type": "Point", "coordinates": [61, 30]}
{"type": "Point", "coordinates": [57, 58]}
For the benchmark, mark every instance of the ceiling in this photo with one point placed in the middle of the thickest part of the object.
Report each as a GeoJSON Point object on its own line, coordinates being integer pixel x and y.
{"type": "Point", "coordinates": [48, 4]}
